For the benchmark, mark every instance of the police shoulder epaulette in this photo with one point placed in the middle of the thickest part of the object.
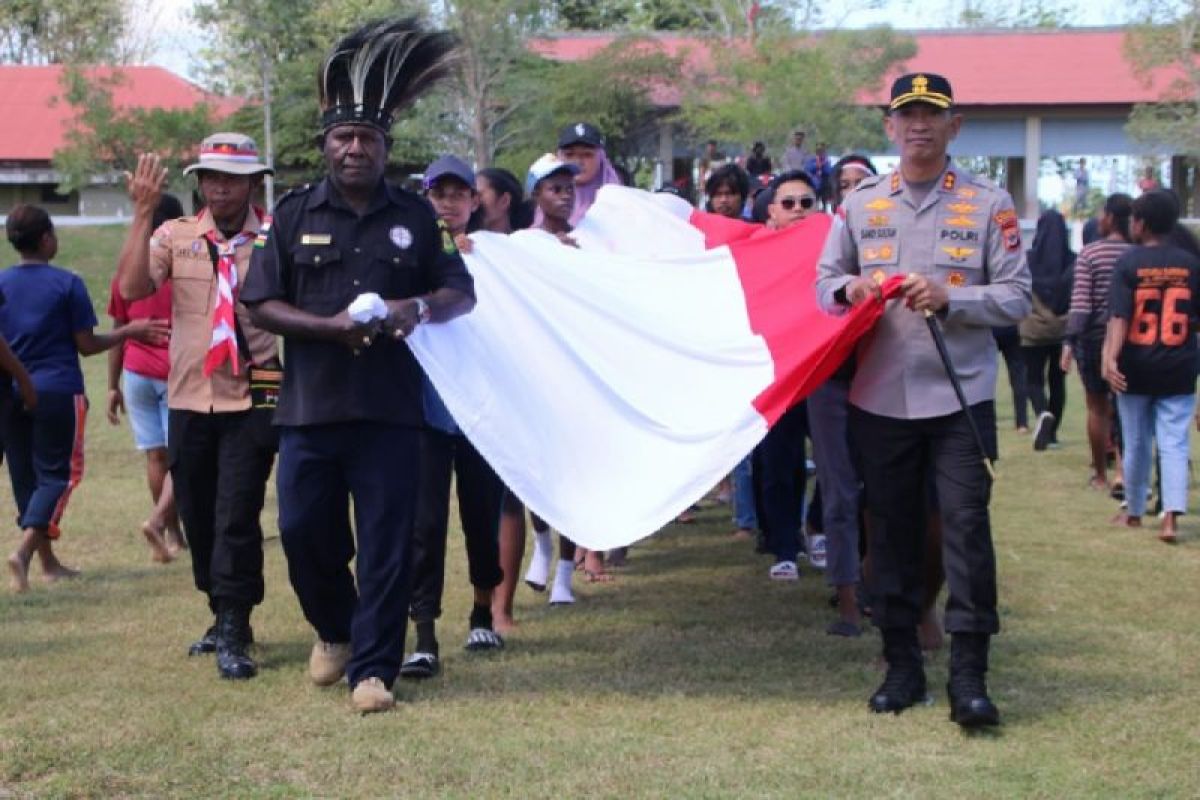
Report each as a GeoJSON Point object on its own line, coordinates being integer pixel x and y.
{"type": "Point", "coordinates": [869, 181]}
{"type": "Point", "coordinates": [293, 193]}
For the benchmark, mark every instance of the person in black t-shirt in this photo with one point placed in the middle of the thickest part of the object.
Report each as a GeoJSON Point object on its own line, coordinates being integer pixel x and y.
{"type": "Point", "coordinates": [1150, 358]}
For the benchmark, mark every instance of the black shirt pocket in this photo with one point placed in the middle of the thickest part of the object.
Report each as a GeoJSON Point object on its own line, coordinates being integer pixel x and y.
{"type": "Point", "coordinates": [322, 286]}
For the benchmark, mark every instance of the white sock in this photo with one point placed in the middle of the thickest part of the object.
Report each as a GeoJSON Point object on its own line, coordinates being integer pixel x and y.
{"type": "Point", "coordinates": [539, 564]}
{"type": "Point", "coordinates": [561, 593]}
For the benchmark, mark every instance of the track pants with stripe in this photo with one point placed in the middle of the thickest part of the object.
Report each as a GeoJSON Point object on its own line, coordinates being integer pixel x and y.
{"type": "Point", "coordinates": [45, 457]}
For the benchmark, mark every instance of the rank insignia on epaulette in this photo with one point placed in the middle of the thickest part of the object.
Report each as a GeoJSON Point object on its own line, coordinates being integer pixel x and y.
{"type": "Point", "coordinates": [949, 181]}
{"type": "Point", "coordinates": [895, 181]}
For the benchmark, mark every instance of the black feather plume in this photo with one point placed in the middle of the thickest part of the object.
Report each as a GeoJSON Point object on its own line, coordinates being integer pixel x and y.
{"type": "Point", "coordinates": [381, 68]}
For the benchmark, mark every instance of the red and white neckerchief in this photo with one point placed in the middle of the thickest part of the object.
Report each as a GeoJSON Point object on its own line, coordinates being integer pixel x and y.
{"type": "Point", "coordinates": [224, 331]}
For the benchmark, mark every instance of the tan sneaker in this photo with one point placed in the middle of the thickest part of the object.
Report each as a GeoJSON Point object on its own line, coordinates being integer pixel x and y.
{"type": "Point", "coordinates": [327, 663]}
{"type": "Point", "coordinates": [370, 695]}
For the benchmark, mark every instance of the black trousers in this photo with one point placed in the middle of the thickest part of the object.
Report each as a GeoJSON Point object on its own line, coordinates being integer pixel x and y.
{"type": "Point", "coordinates": [220, 464]}
{"type": "Point", "coordinates": [480, 500]}
{"type": "Point", "coordinates": [779, 479]}
{"type": "Point", "coordinates": [321, 468]}
{"type": "Point", "coordinates": [1043, 373]}
{"type": "Point", "coordinates": [897, 457]}
{"type": "Point", "coordinates": [1008, 341]}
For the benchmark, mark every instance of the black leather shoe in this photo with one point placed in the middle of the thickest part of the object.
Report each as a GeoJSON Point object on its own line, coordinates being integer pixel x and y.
{"type": "Point", "coordinates": [206, 644]}
{"type": "Point", "coordinates": [233, 643]}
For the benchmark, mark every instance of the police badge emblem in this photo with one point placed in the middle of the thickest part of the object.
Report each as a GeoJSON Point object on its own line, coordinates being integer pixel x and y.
{"type": "Point", "coordinates": [401, 237]}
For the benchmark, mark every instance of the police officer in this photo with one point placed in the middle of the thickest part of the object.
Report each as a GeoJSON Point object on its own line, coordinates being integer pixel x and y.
{"type": "Point", "coordinates": [955, 239]}
{"type": "Point", "coordinates": [350, 406]}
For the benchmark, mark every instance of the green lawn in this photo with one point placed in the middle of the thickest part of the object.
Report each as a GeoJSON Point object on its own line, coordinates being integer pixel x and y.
{"type": "Point", "coordinates": [692, 676]}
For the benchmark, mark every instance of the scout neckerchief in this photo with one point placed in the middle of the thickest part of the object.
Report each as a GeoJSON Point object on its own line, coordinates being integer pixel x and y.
{"type": "Point", "coordinates": [224, 332]}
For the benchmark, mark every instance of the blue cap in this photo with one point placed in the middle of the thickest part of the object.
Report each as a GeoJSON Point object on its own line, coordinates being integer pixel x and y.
{"type": "Point", "coordinates": [449, 165]}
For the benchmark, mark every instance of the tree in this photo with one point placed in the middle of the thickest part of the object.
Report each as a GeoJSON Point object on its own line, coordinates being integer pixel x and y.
{"type": "Point", "coordinates": [612, 90]}
{"type": "Point", "coordinates": [1169, 39]}
{"type": "Point", "coordinates": [1169, 42]}
{"type": "Point", "coordinates": [1022, 14]}
{"type": "Point", "coordinates": [760, 90]}
{"type": "Point", "coordinates": [496, 79]}
{"type": "Point", "coordinates": [103, 139]}
{"type": "Point", "coordinates": [62, 31]}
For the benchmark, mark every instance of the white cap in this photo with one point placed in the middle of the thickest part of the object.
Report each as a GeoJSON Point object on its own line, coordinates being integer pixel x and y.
{"type": "Point", "coordinates": [546, 166]}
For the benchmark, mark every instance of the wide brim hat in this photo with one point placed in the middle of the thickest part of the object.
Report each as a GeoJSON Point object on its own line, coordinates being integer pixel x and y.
{"type": "Point", "coordinates": [231, 153]}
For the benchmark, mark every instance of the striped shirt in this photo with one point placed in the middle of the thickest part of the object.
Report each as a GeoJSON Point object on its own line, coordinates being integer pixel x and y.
{"type": "Point", "coordinates": [1089, 294]}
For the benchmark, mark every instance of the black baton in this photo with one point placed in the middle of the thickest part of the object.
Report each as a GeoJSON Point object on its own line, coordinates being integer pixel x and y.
{"type": "Point", "coordinates": [935, 330]}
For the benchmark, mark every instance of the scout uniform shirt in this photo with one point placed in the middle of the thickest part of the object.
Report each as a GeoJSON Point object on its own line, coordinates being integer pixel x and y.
{"type": "Point", "coordinates": [179, 252]}
{"type": "Point", "coordinates": [965, 235]}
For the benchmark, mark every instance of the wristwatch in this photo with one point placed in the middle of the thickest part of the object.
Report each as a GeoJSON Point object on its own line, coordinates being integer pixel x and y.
{"type": "Point", "coordinates": [423, 312]}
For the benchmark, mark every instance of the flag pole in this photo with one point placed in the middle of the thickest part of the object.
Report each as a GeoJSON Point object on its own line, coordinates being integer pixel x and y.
{"type": "Point", "coordinates": [935, 330]}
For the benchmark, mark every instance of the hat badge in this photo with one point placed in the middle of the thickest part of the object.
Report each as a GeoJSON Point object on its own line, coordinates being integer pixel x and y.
{"type": "Point", "coordinates": [920, 84]}
{"type": "Point", "coordinates": [579, 129]}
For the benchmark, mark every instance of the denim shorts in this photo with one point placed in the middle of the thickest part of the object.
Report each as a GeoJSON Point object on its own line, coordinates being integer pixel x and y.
{"type": "Point", "coordinates": [146, 405]}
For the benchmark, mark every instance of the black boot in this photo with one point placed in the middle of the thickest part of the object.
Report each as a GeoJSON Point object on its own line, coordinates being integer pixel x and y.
{"type": "Point", "coordinates": [205, 644]}
{"type": "Point", "coordinates": [970, 705]}
{"type": "Point", "coordinates": [904, 684]}
{"type": "Point", "coordinates": [233, 643]}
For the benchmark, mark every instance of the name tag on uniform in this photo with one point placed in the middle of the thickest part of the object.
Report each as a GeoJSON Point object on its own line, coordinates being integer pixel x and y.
{"type": "Point", "coordinates": [316, 238]}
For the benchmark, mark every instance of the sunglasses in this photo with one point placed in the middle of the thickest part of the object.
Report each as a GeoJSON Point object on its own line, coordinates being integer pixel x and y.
{"type": "Point", "coordinates": [804, 201]}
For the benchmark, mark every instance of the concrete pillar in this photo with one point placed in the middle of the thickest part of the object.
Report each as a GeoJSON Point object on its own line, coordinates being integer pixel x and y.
{"type": "Point", "coordinates": [1033, 165]}
{"type": "Point", "coordinates": [666, 150]}
{"type": "Point", "coordinates": [1014, 183]}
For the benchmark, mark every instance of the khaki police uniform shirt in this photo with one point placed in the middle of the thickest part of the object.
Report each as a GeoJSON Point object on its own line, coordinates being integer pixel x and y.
{"type": "Point", "coordinates": [964, 234]}
{"type": "Point", "coordinates": [179, 253]}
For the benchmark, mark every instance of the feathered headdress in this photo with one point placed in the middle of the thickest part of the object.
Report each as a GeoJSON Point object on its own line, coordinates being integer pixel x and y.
{"type": "Point", "coordinates": [379, 69]}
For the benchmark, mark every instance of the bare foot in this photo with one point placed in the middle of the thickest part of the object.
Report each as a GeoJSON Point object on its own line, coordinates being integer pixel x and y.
{"type": "Point", "coordinates": [1168, 532]}
{"type": "Point", "coordinates": [59, 572]}
{"type": "Point", "coordinates": [593, 568]}
{"type": "Point", "coordinates": [158, 547]}
{"type": "Point", "coordinates": [503, 624]}
{"type": "Point", "coordinates": [742, 535]}
{"type": "Point", "coordinates": [19, 569]}
{"type": "Point", "coordinates": [176, 543]}
{"type": "Point", "coordinates": [1124, 519]}
{"type": "Point", "coordinates": [1098, 483]}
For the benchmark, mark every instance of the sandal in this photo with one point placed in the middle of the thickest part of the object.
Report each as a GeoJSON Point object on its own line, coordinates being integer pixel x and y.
{"type": "Point", "coordinates": [598, 576]}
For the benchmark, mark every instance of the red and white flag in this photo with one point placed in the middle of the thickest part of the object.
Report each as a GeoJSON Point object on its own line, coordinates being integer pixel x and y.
{"type": "Point", "coordinates": [611, 386]}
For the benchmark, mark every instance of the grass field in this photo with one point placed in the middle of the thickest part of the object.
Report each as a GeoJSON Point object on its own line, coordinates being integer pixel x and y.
{"type": "Point", "coordinates": [692, 676]}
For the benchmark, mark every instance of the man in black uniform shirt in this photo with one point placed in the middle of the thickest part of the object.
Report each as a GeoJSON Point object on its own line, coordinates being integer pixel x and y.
{"type": "Point", "coordinates": [350, 405]}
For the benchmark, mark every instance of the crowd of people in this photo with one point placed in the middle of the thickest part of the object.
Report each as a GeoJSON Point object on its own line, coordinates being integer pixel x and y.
{"type": "Point", "coordinates": [366, 453]}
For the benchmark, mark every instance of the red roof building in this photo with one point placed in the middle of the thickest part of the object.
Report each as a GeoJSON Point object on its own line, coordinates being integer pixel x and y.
{"type": "Point", "coordinates": [1026, 94]}
{"type": "Point", "coordinates": [36, 120]}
